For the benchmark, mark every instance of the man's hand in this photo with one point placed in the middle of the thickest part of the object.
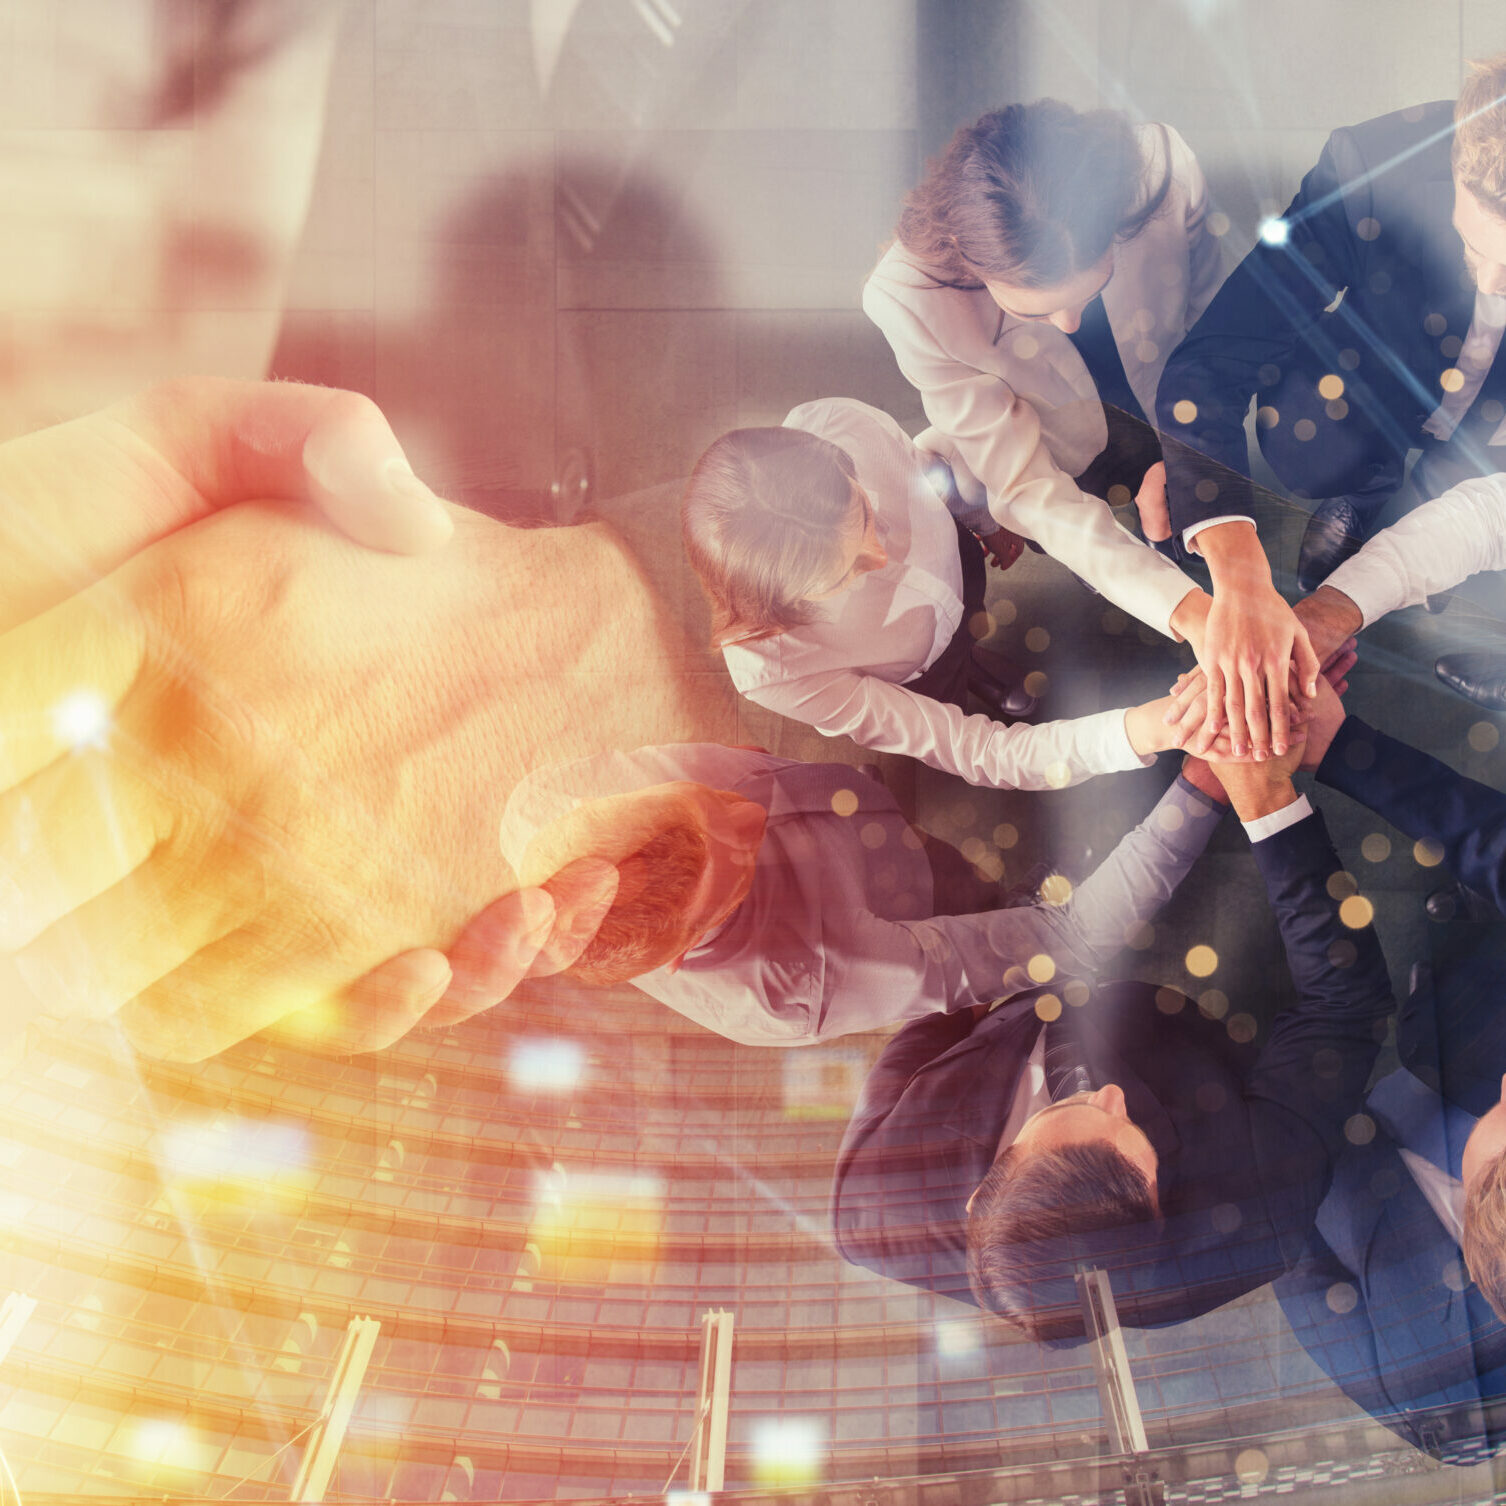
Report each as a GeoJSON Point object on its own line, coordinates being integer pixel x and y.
{"type": "Point", "coordinates": [1003, 547]}
{"type": "Point", "coordinates": [1258, 788]}
{"type": "Point", "coordinates": [81, 498]}
{"type": "Point", "coordinates": [1331, 619]}
{"type": "Point", "coordinates": [1252, 644]}
{"type": "Point", "coordinates": [1327, 718]}
{"type": "Point", "coordinates": [245, 769]}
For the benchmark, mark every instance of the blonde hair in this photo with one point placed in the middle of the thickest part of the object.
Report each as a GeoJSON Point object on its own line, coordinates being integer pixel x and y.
{"type": "Point", "coordinates": [1484, 1242]}
{"type": "Point", "coordinates": [762, 521]}
{"type": "Point", "coordinates": [1479, 154]}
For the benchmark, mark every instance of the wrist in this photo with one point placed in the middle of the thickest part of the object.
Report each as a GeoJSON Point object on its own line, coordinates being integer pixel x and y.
{"type": "Point", "coordinates": [1190, 618]}
{"type": "Point", "coordinates": [1340, 612]}
{"type": "Point", "coordinates": [1234, 555]}
{"type": "Point", "coordinates": [1254, 793]}
{"type": "Point", "coordinates": [1197, 773]}
{"type": "Point", "coordinates": [1147, 730]}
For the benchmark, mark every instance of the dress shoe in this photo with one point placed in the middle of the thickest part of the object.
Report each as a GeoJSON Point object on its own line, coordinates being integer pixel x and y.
{"type": "Point", "coordinates": [1000, 685]}
{"type": "Point", "coordinates": [1334, 533]}
{"type": "Point", "coordinates": [1458, 901]}
{"type": "Point", "coordinates": [1478, 676]}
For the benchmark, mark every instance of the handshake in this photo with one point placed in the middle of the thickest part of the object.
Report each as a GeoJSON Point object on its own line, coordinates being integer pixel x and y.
{"type": "Point", "coordinates": [252, 770]}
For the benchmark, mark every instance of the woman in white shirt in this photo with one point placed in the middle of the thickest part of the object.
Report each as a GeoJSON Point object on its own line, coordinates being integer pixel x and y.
{"type": "Point", "coordinates": [1042, 273]}
{"type": "Point", "coordinates": [836, 582]}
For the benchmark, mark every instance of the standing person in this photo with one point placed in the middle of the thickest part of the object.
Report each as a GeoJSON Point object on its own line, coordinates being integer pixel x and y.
{"type": "Point", "coordinates": [1366, 322]}
{"type": "Point", "coordinates": [843, 588]}
{"type": "Point", "coordinates": [1041, 274]}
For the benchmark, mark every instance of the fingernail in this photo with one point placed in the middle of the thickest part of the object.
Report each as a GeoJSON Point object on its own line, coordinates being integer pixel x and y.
{"type": "Point", "coordinates": [1279, 749]}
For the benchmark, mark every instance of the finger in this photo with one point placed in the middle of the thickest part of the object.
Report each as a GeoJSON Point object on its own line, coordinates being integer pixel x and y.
{"type": "Point", "coordinates": [110, 950]}
{"type": "Point", "coordinates": [1193, 716]}
{"type": "Point", "coordinates": [1305, 661]}
{"type": "Point", "coordinates": [1344, 659]}
{"type": "Point", "coordinates": [582, 892]}
{"type": "Point", "coordinates": [373, 1012]}
{"type": "Point", "coordinates": [63, 673]}
{"type": "Point", "coordinates": [1257, 721]}
{"type": "Point", "coordinates": [492, 955]}
{"type": "Point", "coordinates": [1280, 710]}
{"type": "Point", "coordinates": [1217, 713]}
{"type": "Point", "coordinates": [1234, 715]}
{"type": "Point", "coordinates": [68, 834]}
{"type": "Point", "coordinates": [243, 441]}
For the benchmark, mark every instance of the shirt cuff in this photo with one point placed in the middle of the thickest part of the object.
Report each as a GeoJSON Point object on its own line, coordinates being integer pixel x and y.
{"type": "Point", "coordinates": [1289, 815]}
{"type": "Point", "coordinates": [1370, 586]}
{"type": "Point", "coordinates": [1191, 532]}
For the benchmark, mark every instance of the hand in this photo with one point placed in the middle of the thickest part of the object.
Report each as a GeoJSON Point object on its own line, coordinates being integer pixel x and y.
{"type": "Point", "coordinates": [1171, 720]}
{"type": "Point", "coordinates": [1327, 718]}
{"type": "Point", "coordinates": [1185, 711]}
{"type": "Point", "coordinates": [83, 497]}
{"type": "Point", "coordinates": [1197, 772]}
{"type": "Point", "coordinates": [1330, 618]}
{"type": "Point", "coordinates": [1259, 787]}
{"type": "Point", "coordinates": [1252, 643]}
{"type": "Point", "coordinates": [1003, 547]}
{"type": "Point", "coordinates": [1151, 504]}
{"type": "Point", "coordinates": [218, 813]}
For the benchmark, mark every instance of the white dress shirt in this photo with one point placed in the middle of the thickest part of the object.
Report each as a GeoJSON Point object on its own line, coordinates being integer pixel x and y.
{"type": "Point", "coordinates": [833, 936]}
{"type": "Point", "coordinates": [845, 672]}
{"type": "Point", "coordinates": [1433, 548]}
{"type": "Point", "coordinates": [1016, 402]}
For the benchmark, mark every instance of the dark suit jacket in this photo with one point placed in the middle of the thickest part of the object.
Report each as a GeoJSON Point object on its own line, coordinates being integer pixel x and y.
{"type": "Point", "coordinates": [1246, 1135]}
{"type": "Point", "coordinates": [1419, 1348]}
{"type": "Point", "coordinates": [1373, 221]}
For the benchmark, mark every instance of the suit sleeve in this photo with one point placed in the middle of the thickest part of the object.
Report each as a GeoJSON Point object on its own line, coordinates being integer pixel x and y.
{"type": "Point", "coordinates": [1425, 799]}
{"type": "Point", "coordinates": [879, 1206]}
{"type": "Point", "coordinates": [997, 436]}
{"type": "Point", "coordinates": [1269, 302]}
{"type": "Point", "coordinates": [1310, 1078]}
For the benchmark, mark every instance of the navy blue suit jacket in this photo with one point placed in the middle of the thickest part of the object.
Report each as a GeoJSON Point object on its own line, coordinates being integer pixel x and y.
{"type": "Point", "coordinates": [1372, 221]}
{"type": "Point", "coordinates": [1419, 1348]}
{"type": "Point", "coordinates": [1246, 1134]}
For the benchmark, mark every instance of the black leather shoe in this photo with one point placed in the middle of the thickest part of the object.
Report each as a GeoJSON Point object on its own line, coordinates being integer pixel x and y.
{"type": "Point", "coordinates": [1478, 676]}
{"type": "Point", "coordinates": [1459, 902]}
{"type": "Point", "coordinates": [1334, 533]}
{"type": "Point", "coordinates": [1000, 685]}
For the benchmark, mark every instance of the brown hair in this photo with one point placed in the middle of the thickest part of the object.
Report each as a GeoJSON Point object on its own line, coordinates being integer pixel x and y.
{"type": "Point", "coordinates": [762, 519]}
{"type": "Point", "coordinates": [1484, 1242]}
{"type": "Point", "coordinates": [1030, 1199]}
{"type": "Point", "coordinates": [645, 927]}
{"type": "Point", "coordinates": [1480, 133]}
{"type": "Point", "coordinates": [1031, 195]}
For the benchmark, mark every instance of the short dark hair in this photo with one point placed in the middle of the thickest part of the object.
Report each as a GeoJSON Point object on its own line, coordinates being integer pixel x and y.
{"type": "Point", "coordinates": [645, 928]}
{"type": "Point", "coordinates": [762, 522]}
{"type": "Point", "coordinates": [1032, 1201]}
{"type": "Point", "coordinates": [1031, 195]}
{"type": "Point", "coordinates": [1484, 1242]}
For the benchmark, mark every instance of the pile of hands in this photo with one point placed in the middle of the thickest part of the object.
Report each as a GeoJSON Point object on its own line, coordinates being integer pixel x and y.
{"type": "Point", "coordinates": [229, 734]}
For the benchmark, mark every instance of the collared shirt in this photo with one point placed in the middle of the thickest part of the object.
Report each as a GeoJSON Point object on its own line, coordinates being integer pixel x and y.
{"type": "Point", "coordinates": [1435, 547]}
{"type": "Point", "coordinates": [1476, 357]}
{"type": "Point", "coordinates": [845, 673]}
{"type": "Point", "coordinates": [833, 936]}
{"type": "Point", "coordinates": [1431, 1136]}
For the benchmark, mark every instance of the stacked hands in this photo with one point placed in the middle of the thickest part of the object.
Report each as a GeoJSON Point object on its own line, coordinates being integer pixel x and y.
{"type": "Point", "coordinates": [204, 829]}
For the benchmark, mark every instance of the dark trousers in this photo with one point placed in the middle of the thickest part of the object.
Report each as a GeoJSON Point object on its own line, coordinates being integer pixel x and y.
{"type": "Point", "coordinates": [946, 679]}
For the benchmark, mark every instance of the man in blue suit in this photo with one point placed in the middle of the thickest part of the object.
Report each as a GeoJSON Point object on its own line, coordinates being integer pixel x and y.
{"type": "Point", "coordinates": [988, 1157]}
{"type": "Point", "coordinates": [1400, 1294]}
{"type": "Point", "coordinates": [1365, 322]}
